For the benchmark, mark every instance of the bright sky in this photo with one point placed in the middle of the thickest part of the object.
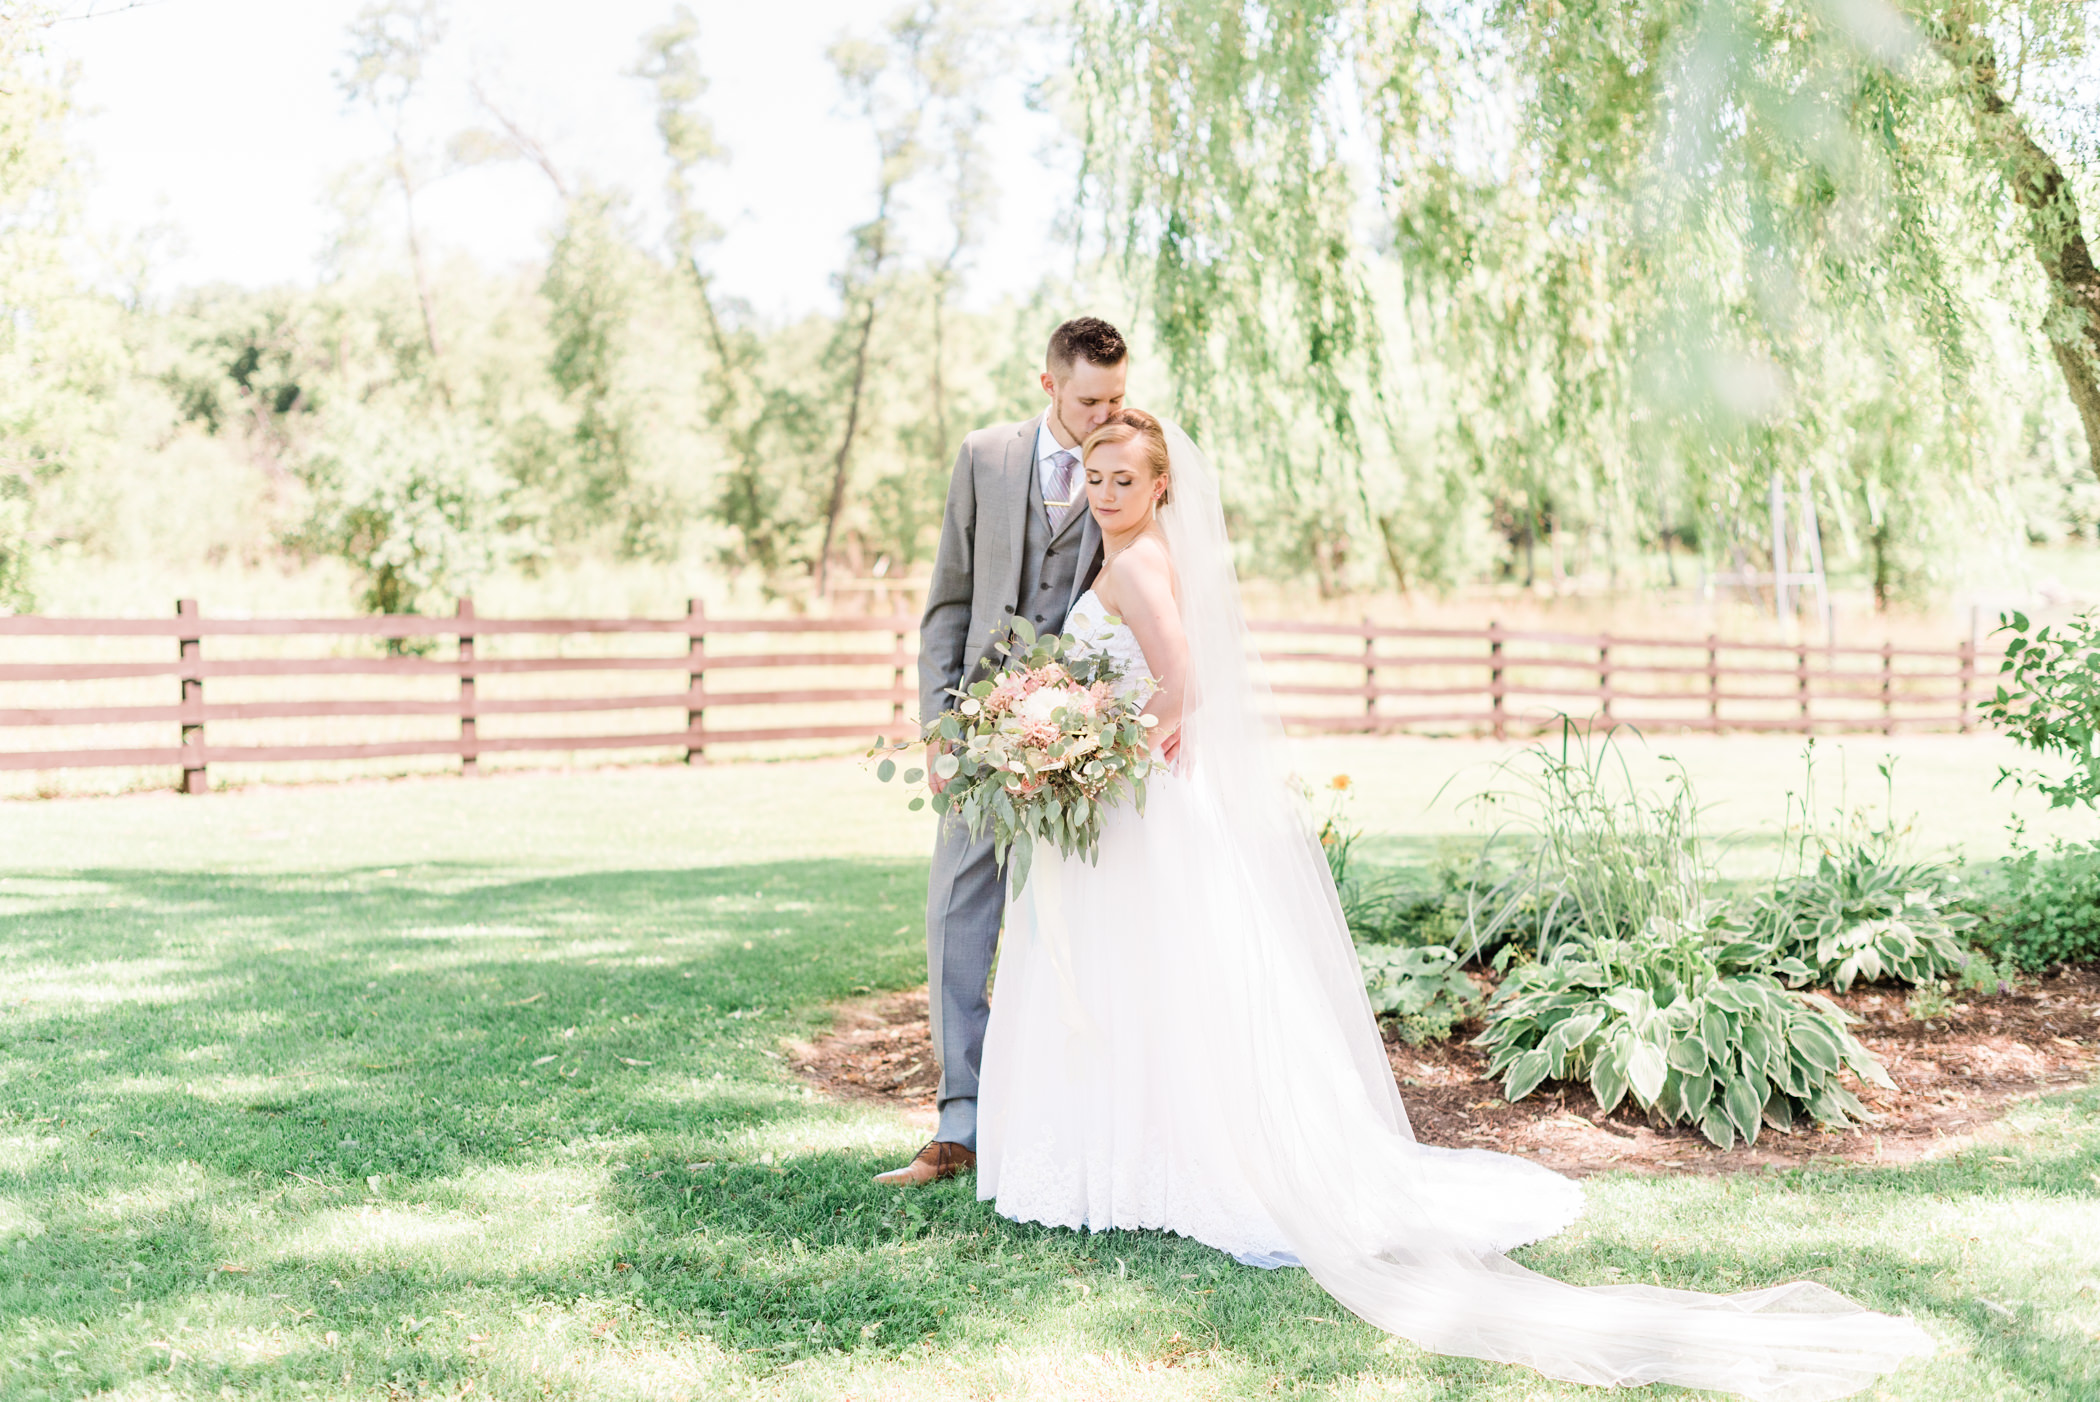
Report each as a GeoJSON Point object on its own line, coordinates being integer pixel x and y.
{"type": "Point", "coordinates": [221, 120]}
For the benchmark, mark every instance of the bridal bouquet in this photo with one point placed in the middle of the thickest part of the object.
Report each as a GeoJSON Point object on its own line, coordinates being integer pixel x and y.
{"type": "Point", "coordinates": [1040, 749]}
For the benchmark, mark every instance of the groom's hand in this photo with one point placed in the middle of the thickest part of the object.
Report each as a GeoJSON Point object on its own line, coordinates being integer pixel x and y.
{"type": "Point", "coordinates": [934, 781]}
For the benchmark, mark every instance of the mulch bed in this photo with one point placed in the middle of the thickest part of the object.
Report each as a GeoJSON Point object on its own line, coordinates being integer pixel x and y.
{"type": "Point", "coordinates": [879, 1051]}
{"type": "Point", "coordinates": [1955, 1075]}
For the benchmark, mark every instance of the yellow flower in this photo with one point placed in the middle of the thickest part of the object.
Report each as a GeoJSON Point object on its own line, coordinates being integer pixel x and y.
{"type": "Point", "coordinates": [1339, 782]}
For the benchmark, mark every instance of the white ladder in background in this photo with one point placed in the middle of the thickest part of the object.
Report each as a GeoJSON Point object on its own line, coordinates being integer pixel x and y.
{"type": "Point", "coordinates": [1795, 539]}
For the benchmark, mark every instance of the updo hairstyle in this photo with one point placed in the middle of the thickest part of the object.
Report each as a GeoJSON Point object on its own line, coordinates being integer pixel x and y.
{"type": "Point", "coordinates": [1126, 424]}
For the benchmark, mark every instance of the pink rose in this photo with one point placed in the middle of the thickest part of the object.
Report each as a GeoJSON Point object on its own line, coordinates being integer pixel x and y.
{"type": "Point", "coordinates": [1004, 697]}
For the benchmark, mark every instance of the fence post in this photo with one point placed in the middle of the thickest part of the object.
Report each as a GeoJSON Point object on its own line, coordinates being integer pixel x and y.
{"type": "Point", "coordinates": [1370, 675]}
{"type": "Point", "coordinates": [1713, 682]}
{"type": "Point", "coordinates": [469, 752]}
{"type": "Point", "coordinates": [1501, 722]}
{"type": "Point", "coordinates": [1888, 687]}
{"type": "Point", "coordinates": [1604, 678]}
{"type": "Point", "coordinates": [1801, 683]}
{"type": "Point", "coordinates": [194, 777]}
{"type": "Point", "coordinates": [696, 682]}
{"type": "Point", "coordinates": [1967, 655]}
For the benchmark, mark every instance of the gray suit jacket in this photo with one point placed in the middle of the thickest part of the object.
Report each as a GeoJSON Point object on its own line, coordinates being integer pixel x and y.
{"type": "Point", "coordinates": [977, 570]}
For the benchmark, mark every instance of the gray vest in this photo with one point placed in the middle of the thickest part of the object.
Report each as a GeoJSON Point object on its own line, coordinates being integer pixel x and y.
{"type": "Point", "coordinates": [1049, 565]}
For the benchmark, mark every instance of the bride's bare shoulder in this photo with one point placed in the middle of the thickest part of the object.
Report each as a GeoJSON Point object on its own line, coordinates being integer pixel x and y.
{"type": "Point", "coordinates": [1145, 569]}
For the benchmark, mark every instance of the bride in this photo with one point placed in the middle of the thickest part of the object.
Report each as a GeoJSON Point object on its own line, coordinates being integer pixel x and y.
{"type": "Point", "coordinates": [1180, 1039]}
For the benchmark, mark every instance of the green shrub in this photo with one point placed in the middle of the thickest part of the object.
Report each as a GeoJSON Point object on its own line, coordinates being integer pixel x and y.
{"type": "Point", "coordinates": [2050, 910]}
{"type": "Point", "coordinates": [1383, 911]}
{"type": "Point", "coordinates": [2049, 701]}
{"type": "Point", "coordinates": [1378, 909]}
{"type": "Point", "coordinates": [1422, 988]}
{"type": "Point", "coordinates": [1677, 1021]}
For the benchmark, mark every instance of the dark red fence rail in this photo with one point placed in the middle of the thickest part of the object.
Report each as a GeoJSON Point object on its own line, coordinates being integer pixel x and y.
{"type": "Point", "coordinates": [1498, 681]}
{"type": "Point", "coordinates": [738, 682]}
{"type": "Point", "coordinates": [879, 644]}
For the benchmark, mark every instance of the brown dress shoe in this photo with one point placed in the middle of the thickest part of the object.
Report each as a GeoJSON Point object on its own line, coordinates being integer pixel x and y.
{"type": "Point", "coordinates": [939, 1159]}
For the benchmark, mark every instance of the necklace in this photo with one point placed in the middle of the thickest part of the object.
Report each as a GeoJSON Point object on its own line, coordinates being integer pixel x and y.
{"type": "Point", "coordinates": [1109, 558]}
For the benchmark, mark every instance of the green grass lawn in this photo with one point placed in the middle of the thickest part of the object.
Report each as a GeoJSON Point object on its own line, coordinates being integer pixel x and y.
{"type": "Point", "coordinates": [444, 1088]}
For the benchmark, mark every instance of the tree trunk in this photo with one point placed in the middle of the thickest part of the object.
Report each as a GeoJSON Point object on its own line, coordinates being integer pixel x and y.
{"type": "Point", "coordinates": [1394, 556]}
{"type": "Point", "coordinates": [2053, 223]}
{"type": "Point", "coordinates": [878, 254]}
{"type": "Point", "coordinates": [940, 351]}
{"type": "Point", "coordinates": [843, 460]}
{"type": "Point", "coordinates": [715, 335]}
{"type": "Point", "coordinates": [406, 177]}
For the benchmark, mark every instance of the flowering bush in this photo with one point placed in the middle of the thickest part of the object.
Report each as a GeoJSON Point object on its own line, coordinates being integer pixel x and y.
{"type": "Point", "coordinates": [1041, 749]}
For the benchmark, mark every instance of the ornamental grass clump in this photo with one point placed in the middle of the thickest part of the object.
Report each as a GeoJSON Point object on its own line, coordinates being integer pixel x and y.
{"type": "Point", "coordinates": [1597, 856]}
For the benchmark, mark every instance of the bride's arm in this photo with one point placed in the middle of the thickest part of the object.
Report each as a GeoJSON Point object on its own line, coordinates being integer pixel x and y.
{"type": "Point", "coordinates": [1144, 598]}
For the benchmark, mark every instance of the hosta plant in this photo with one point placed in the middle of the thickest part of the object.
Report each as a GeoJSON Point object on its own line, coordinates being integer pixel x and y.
{"type": "Point", "coordinates": [1692, 1029]}
{"type": "Point", "coordinates": [1859, 917]}
{"type": "Point", "coordinates": [1421, 987]}
{"type": "Point", "coordinates": [1845, 907]}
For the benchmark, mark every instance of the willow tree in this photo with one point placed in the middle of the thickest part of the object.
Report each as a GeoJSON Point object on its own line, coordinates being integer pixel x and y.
{"type": "Point", "coordinates": [1591, 272]}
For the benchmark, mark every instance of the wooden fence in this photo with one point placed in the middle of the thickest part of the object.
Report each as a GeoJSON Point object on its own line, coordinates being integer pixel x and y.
{"type": "Point", "coordinates": [756, 682]}
{"type": "Point", "coordinates": [1369, 677]}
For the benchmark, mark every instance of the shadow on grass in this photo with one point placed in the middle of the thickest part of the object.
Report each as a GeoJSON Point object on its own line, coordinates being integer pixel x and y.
{"type": "Point", "coordinates": [314, 1000]}
{"type": "Point", "coordinates": [362, 1040]}
{"type": "Point", "coordinates": [186, 1035]}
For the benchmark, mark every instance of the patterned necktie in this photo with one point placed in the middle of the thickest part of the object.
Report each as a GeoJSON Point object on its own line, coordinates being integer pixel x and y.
{"type": "Point", "coordinates": [1063, 497]}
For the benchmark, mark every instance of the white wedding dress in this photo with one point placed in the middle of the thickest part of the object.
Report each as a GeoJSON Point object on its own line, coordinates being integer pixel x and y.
{"type": "Point", "coordinates": [1180, 1040]}
{"type": "Point", "coordinates": [1100, 1099]}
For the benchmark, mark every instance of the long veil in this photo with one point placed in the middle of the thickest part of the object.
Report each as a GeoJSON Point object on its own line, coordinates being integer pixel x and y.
{"type": "Point", "coordinates": [1405, 1235]}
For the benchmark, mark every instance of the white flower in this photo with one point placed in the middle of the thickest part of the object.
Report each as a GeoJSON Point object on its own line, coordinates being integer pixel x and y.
{"type": "Point", "coordinates": [1042, 705]}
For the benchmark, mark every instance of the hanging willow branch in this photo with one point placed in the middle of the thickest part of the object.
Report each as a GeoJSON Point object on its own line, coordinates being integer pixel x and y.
{"type": "Point", "coordinates": [1649, 254]}
{"type": "Point", "coordinates": [2038, 184]}
{"type": "Point", "coordinates": [1212, 148]}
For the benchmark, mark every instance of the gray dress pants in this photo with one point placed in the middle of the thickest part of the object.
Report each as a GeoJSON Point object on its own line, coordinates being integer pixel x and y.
{"type": "Point", "coordinates": [965, 900]}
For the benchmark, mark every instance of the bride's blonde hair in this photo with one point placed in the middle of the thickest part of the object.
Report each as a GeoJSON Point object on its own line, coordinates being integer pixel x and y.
{"type": "Point", "coordinates": [1126, 424]}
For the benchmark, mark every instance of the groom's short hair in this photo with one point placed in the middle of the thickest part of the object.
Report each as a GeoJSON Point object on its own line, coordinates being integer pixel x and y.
{"type": "Point", "coordinates": [1088, 336]}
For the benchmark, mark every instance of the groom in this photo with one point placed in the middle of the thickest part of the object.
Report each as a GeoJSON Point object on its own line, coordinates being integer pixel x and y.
{"type": "Point", "coordinates": [1016, 539]}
